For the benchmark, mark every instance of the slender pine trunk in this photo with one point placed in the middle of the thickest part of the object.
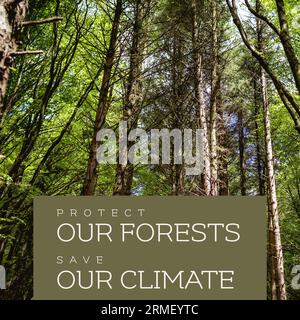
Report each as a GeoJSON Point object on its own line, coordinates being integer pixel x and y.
{"type": "Point", "coordinates": [201, 110]}
{"type": "Point", "coordinates": [275, 239]}
{"type": "Point", "coordinates": [215, 88]}
{"type": "Point", "coordinates": [277, 264]}
{"type": "Point", "coordinates": [224, 142]}
{"type": "Point", "coordinates": [90, 181]}
{"type": "Point", "coordinates": [133, 99]}
{"type": "Point", "coordinates": [242, 153]}
{"type": "Point", "coordinates": [259, 158]}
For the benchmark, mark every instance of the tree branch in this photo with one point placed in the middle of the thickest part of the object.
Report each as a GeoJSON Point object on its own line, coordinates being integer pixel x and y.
{"type": "Point", "coordinates": [286, 97]}
{"type": "Point", "coordinates": [262, 17]}
{"type": "Point", "coordinates": [23, 53]}
{"type": "Point", "coordinates": [39, 22]}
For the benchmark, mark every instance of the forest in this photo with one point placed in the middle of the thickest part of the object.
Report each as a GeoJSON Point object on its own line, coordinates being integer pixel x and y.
{"type": "Point", "coordinates": [69, 68]}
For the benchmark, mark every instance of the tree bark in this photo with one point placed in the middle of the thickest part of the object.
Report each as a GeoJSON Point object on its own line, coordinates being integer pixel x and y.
{"type": "Point", "coordinates": [224, 143]}
{"type": "Point", "coordinates": [275, 239]}
{"type": "Point", "coordinates": [12, 14]}
{"type": "Point", "coordinates": [90, 181]}
{"type": "Point", "coordinates": [277, 264]}
{"type": "Point", "coordinates": [242, 153]}
{"type": "Point", "coordinates": [201, 110]}
{"type": "Point", "coordinates": [215, 88]}
{"type": "Point", "coordinates": [271, 254]}
{"type": "Point", "coordinates": [275, 246]}
{"type": "Point", "coordinates": [133, 99]}
{"type": "Point", "coordinates": [259, 158]}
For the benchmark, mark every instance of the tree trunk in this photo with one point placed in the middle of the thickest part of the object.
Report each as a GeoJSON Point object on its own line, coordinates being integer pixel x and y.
{"type": "Point", "coordinates": [90, 181]}
{"type": "Point", "coordinates": [201, 112]}
{"type": "Point", "coordinates": [178, 81]}
{"type": "Point", "coordinates": [275, 239]}
{"type": "Point", "coordinates": [224, 143]}
{"type": "Point", "coordinates": [277, 265]}
{"type": "Point", "coordinates": [271, 254]}
{"type": "Point", "coordinates": [215, 88]}
{"type": "Point", "coordinates": [259, 159]}
{"type": "Point", "coordinates": [12, 13]}
{"type": "Point", "coordinates": [133, 99]}
{"type": "Point", "coordinates": [242, 152]}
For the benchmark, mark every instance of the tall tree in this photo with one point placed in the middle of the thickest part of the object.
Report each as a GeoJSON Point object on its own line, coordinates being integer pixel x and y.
{"type": "Point", "coordinates": [242, 152]}
{"type": "Point", "coordinates": [224, 153]}
{"type": "Point", "coordinates": [134, 93]}
{"type": "Point", "coordinates": [90, 181]}
{"type": "Point", "coordinates": [274, 225]}
{"type": "Point", "coordinates": [275, 239]}
{"type": "Point", "coordinates": [215, 95]}
{"type": "Point", "coordinates": [260, 168]}
{"type": "Point", "coordinates": [199, 94]}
